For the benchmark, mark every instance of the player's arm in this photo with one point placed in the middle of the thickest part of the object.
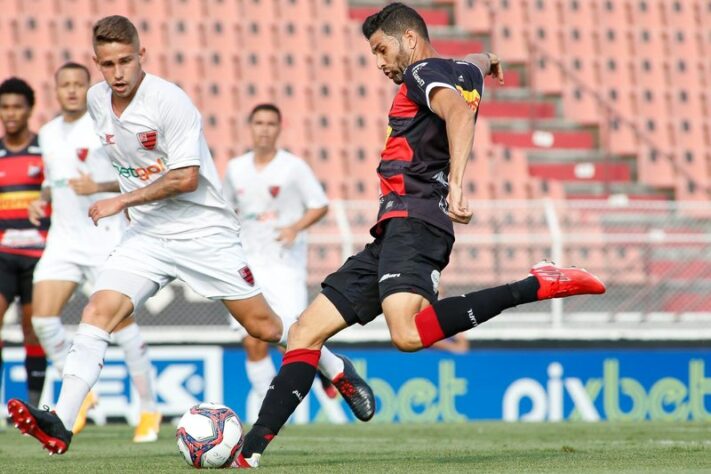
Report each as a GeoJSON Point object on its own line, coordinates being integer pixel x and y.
{"type": "Point", "coordinates": [84, 185]}
{"type": "Point", "coordinates": [37, 209]}
{"type": "Point", "coordinates": [449, 105]}
{"type": "Point", "coordinates": [174, 182]}
{"type": "Point", "coordinates": [313, 198]}
{"type": "Point", "coordinates": [489, 64]}
{"type": "Point", "coordinates": [288, 234]}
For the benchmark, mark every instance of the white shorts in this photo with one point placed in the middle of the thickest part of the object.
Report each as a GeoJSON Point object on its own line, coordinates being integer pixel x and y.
{"type": "Point", "coordinates": [213, 266]}
{"type": "Point", "coordinates": [283, 287]}
{"type": "Point", "coordinates": [57, 264]}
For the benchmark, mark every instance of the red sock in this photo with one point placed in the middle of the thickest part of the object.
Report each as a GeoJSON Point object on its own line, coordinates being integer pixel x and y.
{"type": "Point", "coordinates": [428, 327]}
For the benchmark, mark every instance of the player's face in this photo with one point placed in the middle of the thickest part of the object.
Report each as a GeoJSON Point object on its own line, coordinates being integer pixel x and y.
{"type": "Point", "coordinates": [72, 85]}
{"type": "Point", "coordinates": [14, 113]}
{"type": "Point", "coordinates": [121, 66]}
{"type": "Point", "coordinates": [390, 55]}
{"type": "Point", "coordinates": [265, 128]}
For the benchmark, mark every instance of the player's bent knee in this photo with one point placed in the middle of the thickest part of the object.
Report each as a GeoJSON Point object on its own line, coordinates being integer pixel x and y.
{"type": "Point", "coordinates": [301, 338]}
{"type": "Point", "coordinates": [406, 339]}
{"type": "Point", "coordinates": [93, 315]}
{"type": "Point", "coordinates": [268, 331]}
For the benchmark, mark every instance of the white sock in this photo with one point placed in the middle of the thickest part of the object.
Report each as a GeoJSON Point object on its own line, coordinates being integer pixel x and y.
{"type": "Point", "coordinates": [51, 334]}
{"type": "Point", "coordinates": [139, 365]}
{"type": "Point", "coordinates": [81, 370]}
{"type": "Point", "coordinates": [330, 364]}
{"type": "Point", "coordinates": [260, 374]}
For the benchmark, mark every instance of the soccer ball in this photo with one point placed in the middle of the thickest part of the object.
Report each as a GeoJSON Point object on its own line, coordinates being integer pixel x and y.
{"type": "Point", "coordinates": [209, 435]}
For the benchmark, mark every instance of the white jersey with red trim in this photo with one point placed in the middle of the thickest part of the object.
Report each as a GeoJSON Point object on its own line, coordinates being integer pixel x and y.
{"type": "Point", "coordinates": [70, 149]}
{"type": "Point", "coordinates": [161, 130]}
{"type": "Point", "coordinates": [271, 197]}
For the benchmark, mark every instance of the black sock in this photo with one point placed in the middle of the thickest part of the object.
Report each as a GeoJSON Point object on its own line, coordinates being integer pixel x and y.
{"type": "Point", "coordinates": [286, 391]}
{"type": "Point", "coordinates": [453, 315]}
{"type": "Point", "coordinates": [36, 368]}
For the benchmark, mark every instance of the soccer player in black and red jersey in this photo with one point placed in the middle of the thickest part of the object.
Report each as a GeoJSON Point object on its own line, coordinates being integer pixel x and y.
{"type": "Point", "coordinates": [21, 243]}
{"type": "Point", "coordinates": [430, 136]}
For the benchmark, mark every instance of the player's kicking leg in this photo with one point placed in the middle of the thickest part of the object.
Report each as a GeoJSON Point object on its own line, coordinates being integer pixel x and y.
{"type": "Point", "coordinates": [413, 329]}
{"type": "Point", "coordinates": [105, 310]}
{"type": "Point", "coordinates": [320, 321]}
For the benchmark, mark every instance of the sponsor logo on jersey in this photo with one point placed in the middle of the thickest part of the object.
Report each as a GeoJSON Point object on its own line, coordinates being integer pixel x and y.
{"type": "Point", "coordinates": [109, 139]}
{"type": "Point", "coordinates": [148, 139]}
{"type": "Point", "coordinates": [416, 74]}
{"type": "Point", "coordinates": [34, 170]}
{"type": "Point", "coordinates": [82, 153]}
{"type": "Point", "coordinates": [274, 191]}
{"type": "Point", "coordinates": [141, 173]}
{"type": "Point", "coordinates": [471, 97]}
{"type": "Point", "coordinates": [246, 275]}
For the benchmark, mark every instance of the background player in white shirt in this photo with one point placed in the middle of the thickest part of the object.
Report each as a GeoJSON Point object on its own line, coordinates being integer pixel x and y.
{"type": "Point", "coordinates": [181, 226]}
{"type": "Point", "coordinates": [277, 197]}
{"type": "Point", "coordinates": [77, 174]}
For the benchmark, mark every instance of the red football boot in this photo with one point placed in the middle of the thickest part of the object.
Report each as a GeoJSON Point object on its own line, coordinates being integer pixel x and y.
{"type": "Point", "coordinates": [556, 282]}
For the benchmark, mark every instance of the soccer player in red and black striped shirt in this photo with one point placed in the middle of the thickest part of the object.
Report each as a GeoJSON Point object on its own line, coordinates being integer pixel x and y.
{"type": "Point", "coordinates": [21, 243]}
{"type": "Point", "coordinates": [430, 136]}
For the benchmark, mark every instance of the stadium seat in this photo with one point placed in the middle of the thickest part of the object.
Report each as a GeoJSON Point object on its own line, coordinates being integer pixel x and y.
{"type": "Point", "coordinates": [473, 16]}
{"type": "Point", "coordinates": [508, 36]}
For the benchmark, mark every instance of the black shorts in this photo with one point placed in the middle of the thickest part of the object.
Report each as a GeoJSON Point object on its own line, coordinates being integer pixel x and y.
{"type": "Point", "coordinates": [408, 257]}
{"type": "Point", "coordinates": [16, 277]}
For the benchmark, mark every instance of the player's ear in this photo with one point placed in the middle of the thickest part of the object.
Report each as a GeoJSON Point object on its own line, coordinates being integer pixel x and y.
{"type": "Point", "coordinates": [410, 39]}
{"type": "Point", "coordinates": [142, 54]}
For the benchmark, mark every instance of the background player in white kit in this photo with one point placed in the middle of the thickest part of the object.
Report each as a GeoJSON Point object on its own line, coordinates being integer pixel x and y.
{"type": "Point", "coordinates": [181, 226]}
{"type": "Point", "coordinates": [277, 197]}
{"type": "Point", "coordinates": [77, 174]}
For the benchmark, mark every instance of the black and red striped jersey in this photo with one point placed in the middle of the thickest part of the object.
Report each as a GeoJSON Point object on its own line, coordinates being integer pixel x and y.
{"type": "Point", "coordinates": [21, 176]}
{"type": "Point", "coordinates": [414, 165]}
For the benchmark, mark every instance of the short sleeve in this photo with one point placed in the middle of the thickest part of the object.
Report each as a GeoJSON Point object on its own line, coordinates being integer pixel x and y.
{"type": "Point", "coordinates": [182, 130]}
{"type": "Point", "coordinates": [423, 77]}
{"type": "Point", "coordinates": [311, 191]}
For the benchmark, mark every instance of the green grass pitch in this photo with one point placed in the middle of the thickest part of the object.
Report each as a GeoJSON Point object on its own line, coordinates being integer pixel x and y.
{"type": "Point", "coordinates": [470, 447]}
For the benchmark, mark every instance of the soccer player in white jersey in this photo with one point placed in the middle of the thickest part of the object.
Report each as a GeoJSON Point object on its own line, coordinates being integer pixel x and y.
{"type": "Point", "coordinates": [77, 174]}
{"type": "Point", "coordinates": [277, 197]}
{"type": "Point", "coordinates": [181, 226]}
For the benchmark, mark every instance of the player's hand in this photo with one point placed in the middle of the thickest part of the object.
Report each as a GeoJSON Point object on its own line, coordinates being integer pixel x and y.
{"type": "Point", "coordinates": [458, 206]}
{"type": "Point", "coordinates": [287, 235]}
{"type": "Point", "coordinates": [496, 69]}
{"type": "Point", "coordinates": [83, 185]}
{"type": "Point", "coordinates": [36, 211]}
{"type": "Point", "coordinates": [105, 208]}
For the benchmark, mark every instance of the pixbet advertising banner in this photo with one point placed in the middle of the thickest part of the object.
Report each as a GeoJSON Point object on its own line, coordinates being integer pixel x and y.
{"type": "Point", "coordinates": [428, 386]}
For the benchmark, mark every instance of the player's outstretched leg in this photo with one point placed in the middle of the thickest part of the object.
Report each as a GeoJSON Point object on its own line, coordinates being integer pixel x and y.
{"type": "Point", "coordinates": [306, 337]}
{"type": "Point", "coordinates": [449, 316]}
{"type": "Point", "coordinates": [44, 425]}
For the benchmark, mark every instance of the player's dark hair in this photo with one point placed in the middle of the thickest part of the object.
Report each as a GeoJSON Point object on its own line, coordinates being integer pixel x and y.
{"type": "Point", "coordinates": [73, 65]}
{"type": "Point", "coordinates": [15, 85]}
{"type": "Point", "coordinates": [394, 20]}
{"type": "Point", "coordinates": [115, 29]}
{"type": "Point", "coordinates": [269, 107]}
